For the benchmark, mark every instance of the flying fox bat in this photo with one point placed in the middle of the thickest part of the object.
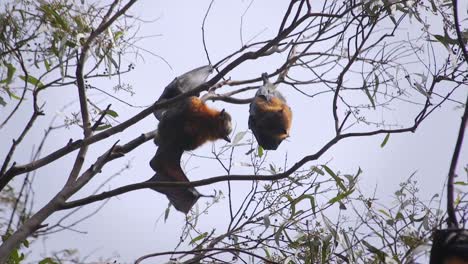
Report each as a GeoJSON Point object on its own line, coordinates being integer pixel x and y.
{"type": "Point", "coordinates": [186, 126]}
{"type": "Point", "coordinates": [191, 123]}
{"type": "Point", "coordinates": [270, 116]}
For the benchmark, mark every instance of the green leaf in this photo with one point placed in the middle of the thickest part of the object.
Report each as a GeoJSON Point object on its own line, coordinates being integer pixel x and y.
{"type": "Point", "coordinates": [385, 213]}
{"type": "Point", "coordinates": [337, 179]}
{"type": "Point", "coordinates": [340, 196]}
{"type": "Point", "coordinates": [384, 142]}
{"type": "Point", "coordinates": [317, 170]}
{"type": "Point", "coordinates": [57, 18]}
{"type": "Point", "coordinates": [330, 226]}
{"type": "Point", "coordinates": [32, 80]}
{"type": "Point", "coordinates": [15, 257]}
{"type": "Point", "coordinates": [10, 72]}
{"type": "Point", "coordinates": [112, 113]}
{"type": "Point", "coordinates": [293, 205]}
{"type": "Point", "coordinates": [11, 94]}
{"type": "Point", "coordinates": [166, 213]}
{"type": "Point", "coordinates": [260, 151]}
{"type": "Point", "coordinates": [199, 237]}
{"type": "Point", "coordinates": [238, 137]}
{"type": "Point", "coordinates": [366, 91]}
{"type": "Point", "coordinates": [278, 233]}
{"type": "Point", "coordinates": [266, 220]}
{"type": "Point", "coordinates": [434, 7]}
{"type": "Point", "coordinates": [26, 243]}
{"type": "Point", "coordinates": [267, 253]}
{"type": "Point", "coordinates": [399, 216]}
{"type": "Point", "coordinates": [461, 183]}
{"type": "Point", "coordinates": [47, 65]}
{"type": "Point", "coordinates": [2, 102]}
{"type": "Point", "coordinates": [117, 35]}
{"type": "Point", "coordinates": [446, 40]}
{"type": "Point", "coordinates": [272, 168]}
{"type": "Point", "coordinates": [303, 197]}
{"type": "Point", "coordinates": [348, 246]}
{"type": "Point", "coordinates": [47, 261]}
{"type": "Point", "coordinates": [387, 8]}
{"type": "Point", "coordinates": [376, 87]}
{"type": "Point", "coordinates": [99, 128]}
{"type": "Point", "coordinates": [381, 255]}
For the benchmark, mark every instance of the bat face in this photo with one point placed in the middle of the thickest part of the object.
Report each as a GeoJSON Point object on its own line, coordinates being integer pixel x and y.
{"type": "Point", "coordinates": [226, 125]}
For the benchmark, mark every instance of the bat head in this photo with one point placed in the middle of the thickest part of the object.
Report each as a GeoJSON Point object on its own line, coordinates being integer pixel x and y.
{"type": "Point", "coordinates": [226, 125]}
{"type": "Point", "coordinates": [270, 140]}
{"type": "Point", "coordinates": [272, 127]}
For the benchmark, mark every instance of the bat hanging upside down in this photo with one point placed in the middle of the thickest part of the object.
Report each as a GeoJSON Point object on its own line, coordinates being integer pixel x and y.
{"type": "Point", "coordinates": [185, 126]}
{"type": "Point", "coordinates": [270, 117]}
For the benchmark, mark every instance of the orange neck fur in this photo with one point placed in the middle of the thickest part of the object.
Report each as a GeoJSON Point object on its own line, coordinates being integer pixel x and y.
{"type": "Point", "coordinates": [206, 121]}
{"type": "Point", "coordinates": [200, 108]}
{"type": "Point", "coordinates": [274, 104]}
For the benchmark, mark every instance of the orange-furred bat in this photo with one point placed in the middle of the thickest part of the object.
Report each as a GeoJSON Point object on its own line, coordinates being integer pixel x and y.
{"type": "Point", "coordinates": [184, 83]}
{"type": "Point", "coordinates": [191, 123]}
{"type": "Point", "coordinates": [185, 126]}
{"type": "Point", "coordinates": [270, 117]}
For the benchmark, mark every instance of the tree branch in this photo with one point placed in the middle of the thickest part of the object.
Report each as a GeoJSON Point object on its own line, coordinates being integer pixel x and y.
{"type": "Point", "coordinates": [279, 176]}
{"type": "Point", "coordinates": [461, 43]}
{"type": "Point", "coordinates": [16, 170]}
{"type": "Point", "coordinates": [452, 217]}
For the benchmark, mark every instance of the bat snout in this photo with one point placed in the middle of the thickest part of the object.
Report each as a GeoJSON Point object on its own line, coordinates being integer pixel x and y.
{"type": "Point", "coordinates": [227, 138]}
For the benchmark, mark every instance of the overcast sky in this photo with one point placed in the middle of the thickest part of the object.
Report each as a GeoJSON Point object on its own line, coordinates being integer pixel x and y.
{"type": "Point", "coordinates": [128, 226]}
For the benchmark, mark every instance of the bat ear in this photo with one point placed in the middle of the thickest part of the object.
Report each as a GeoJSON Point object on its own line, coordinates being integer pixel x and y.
{"type": "Point", "coordinates": [223, 114]}
{"type": "Point", "coordinates": [265, 78]}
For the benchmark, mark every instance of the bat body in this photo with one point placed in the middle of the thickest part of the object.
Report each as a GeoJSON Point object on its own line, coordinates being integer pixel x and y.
{"type": "Point", "coordinates": [191, 123]}
{"type": "Point", "coordinates": [182, 84]}
{"type": "Point", "coordinates": [270, 117]}
{"type": "Point", "coordinates": [185, 126]}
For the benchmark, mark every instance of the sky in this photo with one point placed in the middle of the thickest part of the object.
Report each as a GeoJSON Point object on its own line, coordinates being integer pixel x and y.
{"type": "Point", "coordinates": [130, 225]}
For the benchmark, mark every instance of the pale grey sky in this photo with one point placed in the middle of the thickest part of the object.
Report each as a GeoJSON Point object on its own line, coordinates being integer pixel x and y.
{"type": "Point", "coordinates": [128, 226]}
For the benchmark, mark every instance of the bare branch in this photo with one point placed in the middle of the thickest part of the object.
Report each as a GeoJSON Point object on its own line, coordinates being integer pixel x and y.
{"type": "Point", "coordinates": [452, 217]}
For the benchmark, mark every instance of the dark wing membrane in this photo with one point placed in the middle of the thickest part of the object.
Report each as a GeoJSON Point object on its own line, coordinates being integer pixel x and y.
{"type": "Point", "coordinates": [181, 198]}
{"type": "Point", "coordinates": [166, 164]}
{"type": "Point", "coordinates": [184, 83]}
{"type": "Point", "coordinates": [171, 127]}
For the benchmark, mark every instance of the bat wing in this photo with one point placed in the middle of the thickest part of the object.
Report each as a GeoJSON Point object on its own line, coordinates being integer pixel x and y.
{"type": "Point", "coordinates": [182, 199]}
{"type": "Point", "coordinates": [184, 83]}
{"type": "Point", "coordinates": [166, 164]}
